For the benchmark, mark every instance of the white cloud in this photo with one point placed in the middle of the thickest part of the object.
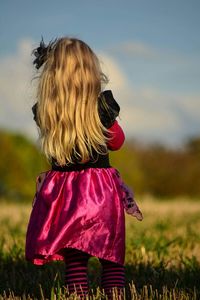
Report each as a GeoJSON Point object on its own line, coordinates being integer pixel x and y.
{"type": "Point", "coordinates": [117, 79]}
{"type": "Point", "coordinates": [16, 93]}
{"type": "Point", "coordinates": [191, 104]}
{"type": "Point", "coordinates": [147, 113]}
{"type": "Point", "coordinates": [151, 114]}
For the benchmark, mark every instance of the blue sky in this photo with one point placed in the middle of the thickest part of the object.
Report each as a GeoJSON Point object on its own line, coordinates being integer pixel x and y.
{"type": "Point", "coordinates": [149, 49]}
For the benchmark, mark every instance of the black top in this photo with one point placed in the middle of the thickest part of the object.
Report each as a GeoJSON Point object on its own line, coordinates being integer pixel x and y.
{"type": "Point", "coordinates": [102, 161]}
{"type": "Point", "coordinates": [108, 110]}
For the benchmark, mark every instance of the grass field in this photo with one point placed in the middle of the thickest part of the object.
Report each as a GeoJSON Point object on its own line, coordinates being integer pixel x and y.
{"type": "Point", "coordinates": [162, 255]}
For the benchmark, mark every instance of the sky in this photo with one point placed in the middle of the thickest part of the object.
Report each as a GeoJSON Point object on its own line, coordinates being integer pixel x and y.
{"type": "Point", "coordinates": [149, 49]}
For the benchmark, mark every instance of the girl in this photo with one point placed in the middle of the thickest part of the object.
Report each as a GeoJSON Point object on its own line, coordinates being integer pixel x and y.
{"type": "Point", "coordinates": [78, 209]}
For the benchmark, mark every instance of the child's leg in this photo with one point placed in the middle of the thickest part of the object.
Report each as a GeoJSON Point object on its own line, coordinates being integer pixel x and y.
{"type": "Point", "coordinates": [76, 271]}
{"type": "Point", "coordinates": [113, 276]}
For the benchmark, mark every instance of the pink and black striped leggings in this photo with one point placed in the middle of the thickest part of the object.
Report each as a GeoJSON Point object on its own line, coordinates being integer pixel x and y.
{"type": "Point", "coordinates": [113, 275]}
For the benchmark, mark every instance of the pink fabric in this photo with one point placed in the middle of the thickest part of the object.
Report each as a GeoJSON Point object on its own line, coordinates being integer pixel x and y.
{"type": "Point", "coordinates": [117, 137]}
{"type": "Point", "coordinates": [78, 209]}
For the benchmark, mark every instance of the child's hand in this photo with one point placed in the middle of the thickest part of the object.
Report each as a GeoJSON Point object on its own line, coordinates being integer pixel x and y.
{"type": "Point", "coordinates": [39, 182]}
{"type": "Point", "coordinates": [130, 204]}
{"type": "Point", "coordinates": [135, 212]}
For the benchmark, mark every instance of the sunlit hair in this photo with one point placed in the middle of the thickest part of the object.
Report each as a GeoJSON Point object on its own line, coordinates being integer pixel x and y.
{"type": "Point", "coordinates": [68, 90]}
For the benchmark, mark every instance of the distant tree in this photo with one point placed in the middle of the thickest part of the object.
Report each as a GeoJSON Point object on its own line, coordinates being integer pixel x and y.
{"type": "Point", "coordinates": [193, 145]}
{"type": "Point", "coordinates": [19, 165]}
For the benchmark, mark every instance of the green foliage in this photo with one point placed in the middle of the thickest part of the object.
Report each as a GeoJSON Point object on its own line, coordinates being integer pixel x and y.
{"type": "Point", "coordinates": [126, 160]}
{"type": "Point", "coordinates": [159, 171]}
{"type": "Point", "coordinates": [19, 165]}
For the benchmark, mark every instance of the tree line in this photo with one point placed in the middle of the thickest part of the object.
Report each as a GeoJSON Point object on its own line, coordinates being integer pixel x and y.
{"type": "Point", "coordinates": [152, 169]}
{"type": "Point", "coordinates": [160, 171]}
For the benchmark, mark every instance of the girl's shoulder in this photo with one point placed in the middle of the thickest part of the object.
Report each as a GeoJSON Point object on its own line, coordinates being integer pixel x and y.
{"type": "Point", "coordinates": [108, 108]}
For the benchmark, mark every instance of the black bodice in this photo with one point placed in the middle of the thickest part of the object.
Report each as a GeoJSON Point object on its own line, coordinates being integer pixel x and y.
{"type": "Point", "coordinates": [102, 161]}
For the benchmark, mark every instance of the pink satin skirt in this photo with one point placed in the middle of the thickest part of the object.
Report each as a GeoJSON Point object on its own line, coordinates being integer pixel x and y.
{"type": "Point", "coordinates": [77, 209]}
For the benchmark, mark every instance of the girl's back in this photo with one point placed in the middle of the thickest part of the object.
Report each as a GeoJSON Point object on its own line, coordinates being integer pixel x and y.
{"type": "Point", "coordinates": [78, 205]}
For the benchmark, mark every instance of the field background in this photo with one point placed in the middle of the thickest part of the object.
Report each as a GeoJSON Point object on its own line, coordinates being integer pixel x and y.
{"type": "Point", "coordinates": [162, 254]}
{"type": "Point", "coordinates": [162, 251]}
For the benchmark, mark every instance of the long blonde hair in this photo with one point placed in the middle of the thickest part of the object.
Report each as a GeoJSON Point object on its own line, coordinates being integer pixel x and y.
{"type": "Point", "coordinates": [68, 90]}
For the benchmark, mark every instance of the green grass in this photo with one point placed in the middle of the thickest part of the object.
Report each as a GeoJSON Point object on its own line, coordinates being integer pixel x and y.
{"type": "Point", "coordinates": [162, 255]}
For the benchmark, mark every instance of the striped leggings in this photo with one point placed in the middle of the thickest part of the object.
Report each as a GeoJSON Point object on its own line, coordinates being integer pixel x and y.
{"type": "Point", "coordinates": [113, 275]}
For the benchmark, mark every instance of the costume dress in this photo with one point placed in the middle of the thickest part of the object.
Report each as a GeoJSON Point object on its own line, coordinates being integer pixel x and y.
{"type": "Point", "coordinates": [80, 206]}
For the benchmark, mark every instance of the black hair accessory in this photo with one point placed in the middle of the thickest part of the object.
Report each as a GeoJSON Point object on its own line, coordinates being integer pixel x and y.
{"type": "Point", "coordinates": [41, 52]}
{"type": "Point", "coordinates": [108, 108]}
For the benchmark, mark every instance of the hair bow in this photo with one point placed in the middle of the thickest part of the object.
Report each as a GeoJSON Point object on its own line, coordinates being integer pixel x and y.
{"type": "Point", "coordinates": [41, 53]}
